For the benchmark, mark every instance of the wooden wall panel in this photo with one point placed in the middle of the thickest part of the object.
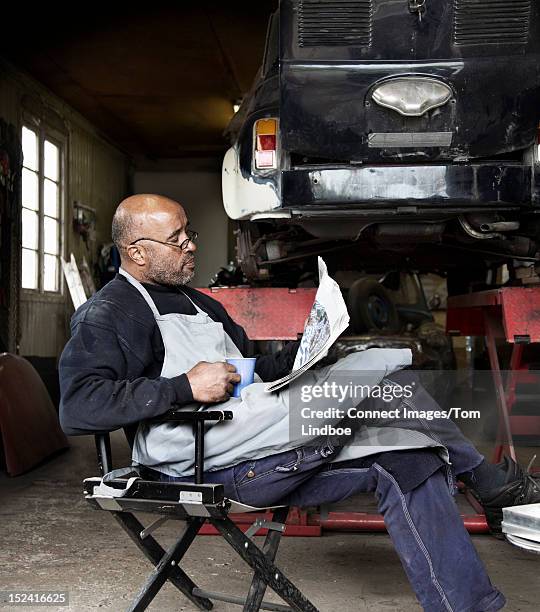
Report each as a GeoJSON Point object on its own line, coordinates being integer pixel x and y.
{"type": "Point", "coordinates": [96, 174]}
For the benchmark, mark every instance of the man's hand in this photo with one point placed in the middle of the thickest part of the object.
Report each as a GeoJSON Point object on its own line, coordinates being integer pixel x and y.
{"type": "Point", "coordinates": [212, 382]}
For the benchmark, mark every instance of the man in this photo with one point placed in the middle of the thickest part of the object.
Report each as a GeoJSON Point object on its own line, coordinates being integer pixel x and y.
{"type": "Point", "coordinates": [146, 341]}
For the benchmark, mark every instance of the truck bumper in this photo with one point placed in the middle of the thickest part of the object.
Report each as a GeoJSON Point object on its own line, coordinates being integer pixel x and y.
{"type": "Point", "coordinates": [344, 190]}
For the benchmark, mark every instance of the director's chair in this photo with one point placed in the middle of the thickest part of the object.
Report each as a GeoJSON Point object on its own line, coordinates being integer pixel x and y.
{"type": "Point", "coordinates": [194, 503]}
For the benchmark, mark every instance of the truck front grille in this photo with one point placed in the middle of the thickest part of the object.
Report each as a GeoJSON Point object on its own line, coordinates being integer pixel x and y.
{"type": "Point", "coordinates": [484, 22]}
{"type": "Point", "coordinates": [334, 23]}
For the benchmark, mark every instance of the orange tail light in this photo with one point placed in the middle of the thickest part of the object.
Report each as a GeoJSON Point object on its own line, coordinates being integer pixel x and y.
{"type": "Point", "coordinates": [266, 143]}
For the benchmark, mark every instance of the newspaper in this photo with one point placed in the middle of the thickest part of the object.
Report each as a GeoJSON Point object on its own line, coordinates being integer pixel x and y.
{"type": "Point", "coordinates": [327, 320]}
{"type": "Point", "coordinates": [521, 525]}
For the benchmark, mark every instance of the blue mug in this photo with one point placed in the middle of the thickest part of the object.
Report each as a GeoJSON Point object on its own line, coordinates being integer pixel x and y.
{"type": "Point", "coordinates": [245, 366]}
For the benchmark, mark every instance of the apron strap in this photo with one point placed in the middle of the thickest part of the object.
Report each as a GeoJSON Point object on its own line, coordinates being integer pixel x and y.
{"type": "Point", "coordinates": [199, 310]}
{"type": "Point", "coordinates": [142, 291]}
{"type": "Point", "coordinates": [147, 297]}
{"type": "Point", "coordinates": [106, 491]}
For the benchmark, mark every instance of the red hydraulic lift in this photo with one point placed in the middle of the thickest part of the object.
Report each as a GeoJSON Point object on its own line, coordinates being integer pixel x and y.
{"type": "Point", "coordinates": [512, 315]}
{"type": "Point", "coordinates": [280, 314]}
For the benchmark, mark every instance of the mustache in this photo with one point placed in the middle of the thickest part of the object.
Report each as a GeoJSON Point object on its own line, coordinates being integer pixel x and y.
{"type": "Point", "coordinates": [190, 260]}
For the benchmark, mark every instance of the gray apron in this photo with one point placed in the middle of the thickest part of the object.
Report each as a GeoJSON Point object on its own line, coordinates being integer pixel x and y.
{"type": "Point", "coordinates": [260, 426]}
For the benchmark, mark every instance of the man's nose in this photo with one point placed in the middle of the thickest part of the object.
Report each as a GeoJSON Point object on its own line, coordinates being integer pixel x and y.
{"type": "Point", "coordinates": [191, 247]}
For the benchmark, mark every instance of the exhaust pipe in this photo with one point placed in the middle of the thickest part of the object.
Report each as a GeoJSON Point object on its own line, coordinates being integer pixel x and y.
{"type": "Point", "coordinates": [500, 226]}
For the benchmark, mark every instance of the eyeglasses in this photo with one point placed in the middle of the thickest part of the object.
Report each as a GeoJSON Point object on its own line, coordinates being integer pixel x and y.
{"type": "Point", "coordinates": [191, 237]}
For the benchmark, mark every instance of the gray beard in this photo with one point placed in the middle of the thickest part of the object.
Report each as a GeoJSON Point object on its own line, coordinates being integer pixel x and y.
{"type": "Point", "coordinates": [165, 274]}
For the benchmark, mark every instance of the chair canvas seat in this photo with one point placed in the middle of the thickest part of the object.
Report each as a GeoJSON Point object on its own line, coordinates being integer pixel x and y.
{"type": "Point", "coordinates": [107, 495]}
{"type": "Point", "coordinates": [97, 483]}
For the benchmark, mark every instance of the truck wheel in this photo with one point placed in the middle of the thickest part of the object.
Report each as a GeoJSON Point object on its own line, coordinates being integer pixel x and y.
{"type": "Point", "coordinates": [371, 308]}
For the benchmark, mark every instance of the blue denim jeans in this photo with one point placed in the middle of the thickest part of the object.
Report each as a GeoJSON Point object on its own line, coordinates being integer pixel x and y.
{"type": "Point", "coordinates": [424, 524]}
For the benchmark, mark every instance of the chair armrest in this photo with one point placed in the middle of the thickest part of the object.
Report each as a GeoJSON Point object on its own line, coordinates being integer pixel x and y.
{"type": "Point", "coordinates": [197, 420]}
{"type": "Point", "coordinates": [104, 454]}
{"type": "Point", "coordinates": [188, 416]}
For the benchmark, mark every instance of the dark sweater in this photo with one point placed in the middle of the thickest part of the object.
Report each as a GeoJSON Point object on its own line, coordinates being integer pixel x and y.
{"type": "Point", "coordinates": [110, 368]}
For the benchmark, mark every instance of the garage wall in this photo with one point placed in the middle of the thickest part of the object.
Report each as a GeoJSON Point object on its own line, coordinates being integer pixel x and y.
{"type": "Point", "coordinates": [96, 175]}
{"type": "Point", "coordinates": [199, 192]}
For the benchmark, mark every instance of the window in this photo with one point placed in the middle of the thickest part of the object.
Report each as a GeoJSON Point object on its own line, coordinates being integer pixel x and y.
{"type": "Point", "coordinates": [41, 211]}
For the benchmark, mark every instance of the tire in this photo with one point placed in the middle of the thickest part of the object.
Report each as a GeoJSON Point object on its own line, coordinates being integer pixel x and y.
{"type": "Point", "coordinates": [371, 308]}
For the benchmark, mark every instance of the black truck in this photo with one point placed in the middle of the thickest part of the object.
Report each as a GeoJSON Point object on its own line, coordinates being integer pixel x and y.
{"type": "Point", "coordinates": [389, 132]}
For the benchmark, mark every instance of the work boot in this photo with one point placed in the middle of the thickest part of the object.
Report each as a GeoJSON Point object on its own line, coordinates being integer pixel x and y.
{"type": "Point", "coordinates": [521, 488]}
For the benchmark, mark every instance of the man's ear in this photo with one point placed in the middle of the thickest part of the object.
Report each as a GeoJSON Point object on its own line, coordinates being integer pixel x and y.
{"type": "Point", "coordinates": [137, 254]}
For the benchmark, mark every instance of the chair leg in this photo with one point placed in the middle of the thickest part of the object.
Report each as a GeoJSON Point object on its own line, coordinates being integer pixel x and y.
{"type": "Point", "coordinates": [155, 553]}
{"type": "Point", "coordinates": [267, 571]}
{"type": "Point", "coordinates": [270, 548]}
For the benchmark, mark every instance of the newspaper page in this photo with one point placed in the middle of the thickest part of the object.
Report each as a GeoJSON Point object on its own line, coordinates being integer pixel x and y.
{"type": "Point", "coordinates": [327, 320]}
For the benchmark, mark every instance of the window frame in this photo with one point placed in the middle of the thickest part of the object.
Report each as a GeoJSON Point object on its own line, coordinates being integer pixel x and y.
{"type": "Point", "coordinates": [47, 133]}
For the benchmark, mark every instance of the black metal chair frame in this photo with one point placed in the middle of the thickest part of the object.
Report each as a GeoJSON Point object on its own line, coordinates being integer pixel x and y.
{"type": "Point", "coordinates": [195, 503]}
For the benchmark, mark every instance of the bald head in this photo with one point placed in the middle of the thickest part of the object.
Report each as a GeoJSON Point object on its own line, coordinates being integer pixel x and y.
{"type": "Point", "coordinates": [157, 225]}
{"type": "Point", "coordinates": [136, 213]}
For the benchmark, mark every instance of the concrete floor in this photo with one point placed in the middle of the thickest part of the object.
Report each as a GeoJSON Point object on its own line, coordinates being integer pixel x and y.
{"type": "Point", "coordinates": [52, 540]}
